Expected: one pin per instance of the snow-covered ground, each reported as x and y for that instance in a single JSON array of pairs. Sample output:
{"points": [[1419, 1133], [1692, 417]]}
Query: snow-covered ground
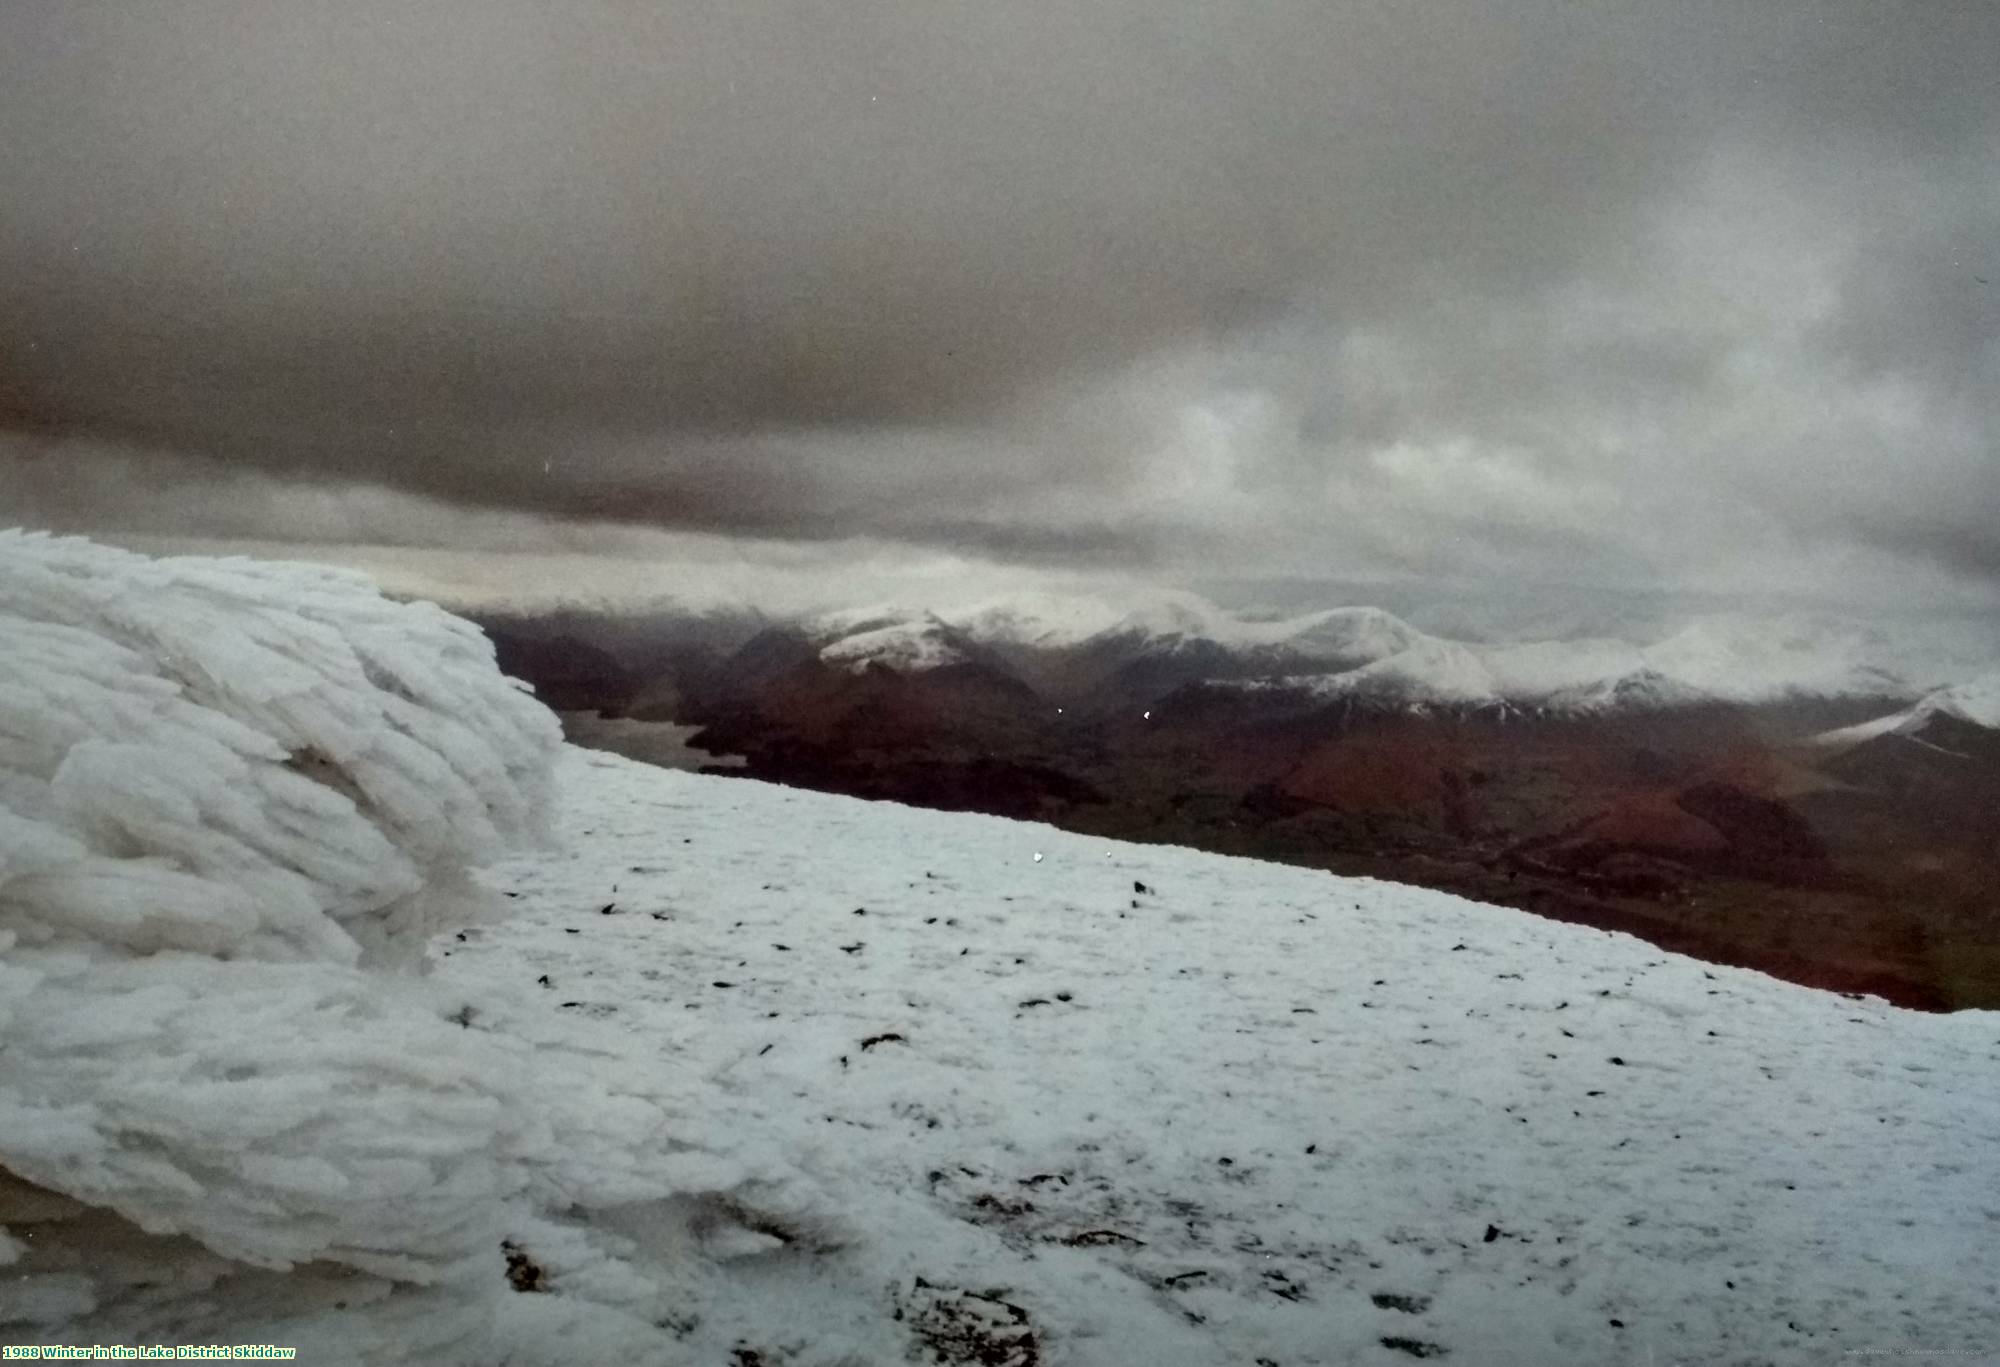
{"points": [[742, 1075], [1249, 1114]]}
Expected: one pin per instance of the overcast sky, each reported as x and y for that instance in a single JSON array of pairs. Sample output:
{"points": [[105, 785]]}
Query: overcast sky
{"points": [[1659, 295]]}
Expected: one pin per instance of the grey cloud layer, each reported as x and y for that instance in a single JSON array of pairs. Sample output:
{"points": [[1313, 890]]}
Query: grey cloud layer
{"points": [[1525, 287]]}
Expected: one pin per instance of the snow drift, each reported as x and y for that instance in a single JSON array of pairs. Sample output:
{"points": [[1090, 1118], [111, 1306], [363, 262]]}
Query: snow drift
{"points": [[236, 799]]}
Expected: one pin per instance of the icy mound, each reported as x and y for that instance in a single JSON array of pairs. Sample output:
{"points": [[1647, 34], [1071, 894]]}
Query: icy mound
{"points": [[232, 795], [209, 769], [249, 760]]}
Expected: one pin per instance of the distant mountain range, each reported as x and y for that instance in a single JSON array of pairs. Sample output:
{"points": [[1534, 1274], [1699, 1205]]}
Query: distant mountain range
{"points": [[1085, 652], [1803, 794], [1092, 656]]}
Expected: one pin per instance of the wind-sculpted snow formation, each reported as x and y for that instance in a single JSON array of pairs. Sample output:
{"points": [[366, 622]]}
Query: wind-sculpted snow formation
{"points": [[236, 799]]}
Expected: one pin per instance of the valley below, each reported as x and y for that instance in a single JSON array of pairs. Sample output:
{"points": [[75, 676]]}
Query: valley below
{"points": [[1794, 835], [1694, 832]]}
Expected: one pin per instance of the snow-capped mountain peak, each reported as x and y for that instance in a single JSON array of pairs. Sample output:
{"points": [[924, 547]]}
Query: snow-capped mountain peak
{"points": [[1363, 651], [908, 647], [1643, 689], [1351, 632], [1429, 671], [1976, 701]]}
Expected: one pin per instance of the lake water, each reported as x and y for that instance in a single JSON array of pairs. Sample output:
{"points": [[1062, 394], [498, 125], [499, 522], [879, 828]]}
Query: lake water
{"points": [[653, 742]]}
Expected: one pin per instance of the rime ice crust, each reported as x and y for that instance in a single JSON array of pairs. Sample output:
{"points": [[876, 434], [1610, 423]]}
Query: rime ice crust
{"points": [[232, 794], [230, 757]]}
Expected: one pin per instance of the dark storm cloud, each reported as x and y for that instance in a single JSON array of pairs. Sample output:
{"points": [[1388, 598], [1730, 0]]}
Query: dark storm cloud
{"points": [[1605, 288], [1968, 543]]}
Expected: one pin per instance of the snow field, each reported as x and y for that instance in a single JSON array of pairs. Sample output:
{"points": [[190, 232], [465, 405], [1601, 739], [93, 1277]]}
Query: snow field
{"points": [[753, 1076], [1251, 1113]]}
